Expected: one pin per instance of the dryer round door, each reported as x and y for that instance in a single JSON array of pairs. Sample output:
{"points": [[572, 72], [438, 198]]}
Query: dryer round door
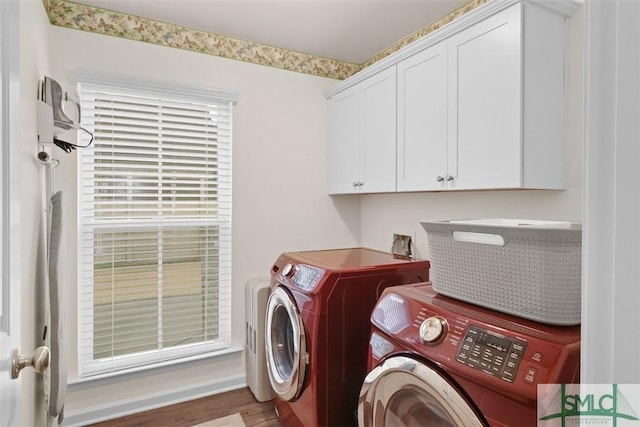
{"points": [[403, 391], [286, 345]]}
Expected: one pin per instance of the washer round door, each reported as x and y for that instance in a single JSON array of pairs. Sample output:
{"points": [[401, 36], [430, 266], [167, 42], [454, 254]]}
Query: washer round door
{"points": [[286, 345], [402, 391]]}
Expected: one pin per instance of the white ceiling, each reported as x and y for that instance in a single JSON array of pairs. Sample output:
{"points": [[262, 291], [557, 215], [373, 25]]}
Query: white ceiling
{"points": [[346, 30]]}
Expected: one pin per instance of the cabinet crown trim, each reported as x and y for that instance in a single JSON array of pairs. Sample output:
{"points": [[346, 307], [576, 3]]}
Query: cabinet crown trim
{"points": [[564, 8]]}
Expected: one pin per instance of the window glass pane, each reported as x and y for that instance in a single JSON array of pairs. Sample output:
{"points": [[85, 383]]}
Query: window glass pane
{"points": [[126, 292], [191, 293]]}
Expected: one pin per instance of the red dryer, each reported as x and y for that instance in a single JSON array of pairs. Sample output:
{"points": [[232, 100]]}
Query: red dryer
{"points": [[434, 360], [317, 329]]}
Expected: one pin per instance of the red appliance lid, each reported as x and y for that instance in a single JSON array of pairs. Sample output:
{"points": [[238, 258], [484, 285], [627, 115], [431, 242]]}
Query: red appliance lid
{"points": [[347, 259]]}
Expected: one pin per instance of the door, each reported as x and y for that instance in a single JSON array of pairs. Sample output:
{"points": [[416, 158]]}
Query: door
{"points": [[343, 155], [422, 120], [404, 392], [286, 345], [9, 211], [485, 109], [378, 159]]}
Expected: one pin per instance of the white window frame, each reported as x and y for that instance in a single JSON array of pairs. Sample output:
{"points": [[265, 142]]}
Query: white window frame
{"points": [[88, 367]]}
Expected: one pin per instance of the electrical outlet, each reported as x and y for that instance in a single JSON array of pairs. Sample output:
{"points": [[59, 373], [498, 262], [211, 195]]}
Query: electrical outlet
{"points": [[401, 245]]}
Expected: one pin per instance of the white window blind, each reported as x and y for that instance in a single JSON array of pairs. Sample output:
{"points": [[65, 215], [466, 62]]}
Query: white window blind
{"points": [[155, 225]]}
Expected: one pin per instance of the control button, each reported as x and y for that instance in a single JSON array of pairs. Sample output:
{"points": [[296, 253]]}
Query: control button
{"points": [[517, 347], [289, 270], [432, 329], [507, 375], [536, 356], [530, 375]]}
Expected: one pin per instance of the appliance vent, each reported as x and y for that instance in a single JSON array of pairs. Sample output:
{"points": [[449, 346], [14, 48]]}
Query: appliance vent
{"points": [[256, 296]]}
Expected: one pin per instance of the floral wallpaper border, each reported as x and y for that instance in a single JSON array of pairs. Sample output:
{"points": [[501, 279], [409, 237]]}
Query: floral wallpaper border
{"points": [[465, 8], [77, 16]]}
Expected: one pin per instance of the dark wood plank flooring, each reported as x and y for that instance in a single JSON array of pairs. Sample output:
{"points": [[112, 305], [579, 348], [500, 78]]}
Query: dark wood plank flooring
{"points": [[254, 413]]}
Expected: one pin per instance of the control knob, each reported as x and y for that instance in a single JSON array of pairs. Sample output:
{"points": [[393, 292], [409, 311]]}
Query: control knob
{"points": [[289, 270], [432, 329]]}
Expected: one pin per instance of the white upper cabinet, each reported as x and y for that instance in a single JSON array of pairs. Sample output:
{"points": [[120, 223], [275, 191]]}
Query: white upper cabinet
{"points": [[480, 105], [362, 137]]}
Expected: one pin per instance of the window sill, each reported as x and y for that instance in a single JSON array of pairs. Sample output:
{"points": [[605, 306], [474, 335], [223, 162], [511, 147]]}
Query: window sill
{"points": [[77, 383]]}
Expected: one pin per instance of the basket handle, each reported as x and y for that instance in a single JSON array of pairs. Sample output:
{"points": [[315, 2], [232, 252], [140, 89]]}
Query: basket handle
{"points": [[482, 238]]}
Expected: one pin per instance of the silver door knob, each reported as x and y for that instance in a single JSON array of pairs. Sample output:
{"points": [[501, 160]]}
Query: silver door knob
{"points": [[439, 178], [449, 178], [39, 361]]}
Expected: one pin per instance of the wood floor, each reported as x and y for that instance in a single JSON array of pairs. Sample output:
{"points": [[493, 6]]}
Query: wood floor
{"points": [[254, 413]]}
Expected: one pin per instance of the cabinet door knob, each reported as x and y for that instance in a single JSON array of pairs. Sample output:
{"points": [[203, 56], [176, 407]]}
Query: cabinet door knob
{"points": [[439, 178], [449, 178]]}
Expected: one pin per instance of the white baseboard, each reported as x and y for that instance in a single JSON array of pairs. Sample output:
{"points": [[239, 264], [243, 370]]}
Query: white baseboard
{"points": [[113, 410]]}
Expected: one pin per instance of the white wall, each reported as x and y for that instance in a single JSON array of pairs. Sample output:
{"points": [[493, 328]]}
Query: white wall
{"points": [[279, 174], [34, 64], [384, 215]]}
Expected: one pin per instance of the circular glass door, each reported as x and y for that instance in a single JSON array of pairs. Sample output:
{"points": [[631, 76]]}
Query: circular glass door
{"points": [[285, 345], [405, 392]]}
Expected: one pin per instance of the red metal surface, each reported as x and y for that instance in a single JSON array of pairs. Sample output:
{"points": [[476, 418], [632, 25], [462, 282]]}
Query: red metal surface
{"points": [[336, 316], [552, 353]]}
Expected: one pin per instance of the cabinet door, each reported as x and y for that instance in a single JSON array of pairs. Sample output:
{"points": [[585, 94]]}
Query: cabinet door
{"points": [[485, 136], [378, 160], [343, 149], [422, 120]]}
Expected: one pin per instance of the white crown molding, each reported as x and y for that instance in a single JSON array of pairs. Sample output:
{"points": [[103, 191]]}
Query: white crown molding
{"points": [[566, 8], [477, 15]]}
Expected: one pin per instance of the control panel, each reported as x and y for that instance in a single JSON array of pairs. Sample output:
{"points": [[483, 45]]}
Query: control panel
{"points": [[491, 353], [303, 276]]}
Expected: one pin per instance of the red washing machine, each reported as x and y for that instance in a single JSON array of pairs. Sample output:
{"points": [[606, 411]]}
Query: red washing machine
{"points": [[317, 329], [438, 361]]}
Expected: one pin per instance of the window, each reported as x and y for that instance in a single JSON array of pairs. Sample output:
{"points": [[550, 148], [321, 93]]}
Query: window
{"points": [[155, 224]]}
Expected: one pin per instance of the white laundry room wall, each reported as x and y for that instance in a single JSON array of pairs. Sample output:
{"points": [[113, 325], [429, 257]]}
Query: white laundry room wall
{"points": [[279, 181]]}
